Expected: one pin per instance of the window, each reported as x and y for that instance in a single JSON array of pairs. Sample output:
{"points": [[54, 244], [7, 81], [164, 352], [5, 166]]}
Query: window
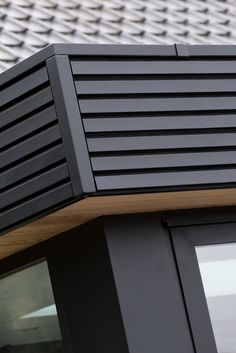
{"points": [[206, 260], [217, 265], [28, 316]]}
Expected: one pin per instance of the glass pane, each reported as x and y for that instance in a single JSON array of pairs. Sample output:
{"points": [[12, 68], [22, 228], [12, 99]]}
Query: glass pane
{"points": [[217, 265], [28, 317]]}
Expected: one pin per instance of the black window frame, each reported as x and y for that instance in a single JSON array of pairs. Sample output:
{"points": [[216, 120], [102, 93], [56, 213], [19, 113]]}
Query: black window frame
{"points": [[33, 255], [185, 238]]}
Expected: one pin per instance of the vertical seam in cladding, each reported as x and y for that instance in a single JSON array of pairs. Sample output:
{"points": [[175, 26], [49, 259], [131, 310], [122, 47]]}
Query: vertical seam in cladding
{"points": [[182, 50], [82, 122], [70, 172]]}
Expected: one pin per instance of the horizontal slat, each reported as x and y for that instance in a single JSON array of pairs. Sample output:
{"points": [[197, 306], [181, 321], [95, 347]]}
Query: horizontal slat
{"points": [[39, 204], [25, 106], [157, 104], [148, 123], [29, 146], [31, 166], [150, 161], [34, 185], [131, 143], [24, 85], [116, 67], [28, 126], [155, 86], [133, 181]]}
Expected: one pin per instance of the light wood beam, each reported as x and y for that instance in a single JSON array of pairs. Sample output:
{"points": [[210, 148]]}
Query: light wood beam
{"points": [[93, 207]]}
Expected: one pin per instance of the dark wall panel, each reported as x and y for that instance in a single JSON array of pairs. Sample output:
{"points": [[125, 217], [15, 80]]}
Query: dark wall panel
{"points": [[34, 175], [159, 123]]}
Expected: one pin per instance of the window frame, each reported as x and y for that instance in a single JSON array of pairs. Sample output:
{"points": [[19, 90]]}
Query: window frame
{"points": [[29, 257], [184, 239]]}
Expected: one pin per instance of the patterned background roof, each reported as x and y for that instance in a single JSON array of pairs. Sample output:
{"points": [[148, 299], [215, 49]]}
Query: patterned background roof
{"points": [[27, 26]]}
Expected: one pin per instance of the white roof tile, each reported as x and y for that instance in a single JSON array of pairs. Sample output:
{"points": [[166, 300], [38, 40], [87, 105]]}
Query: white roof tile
{"points": [[27, 26]]}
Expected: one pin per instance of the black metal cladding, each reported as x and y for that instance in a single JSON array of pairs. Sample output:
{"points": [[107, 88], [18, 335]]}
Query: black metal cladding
{"points": [[33, 170], [159, 122], [77, 120]]}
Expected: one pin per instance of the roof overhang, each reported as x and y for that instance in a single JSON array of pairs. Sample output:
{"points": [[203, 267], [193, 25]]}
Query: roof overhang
{"points": [[92, 130]]}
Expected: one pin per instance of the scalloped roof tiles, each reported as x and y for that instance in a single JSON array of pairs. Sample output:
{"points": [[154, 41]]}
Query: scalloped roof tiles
{"points": [[27, 26]]}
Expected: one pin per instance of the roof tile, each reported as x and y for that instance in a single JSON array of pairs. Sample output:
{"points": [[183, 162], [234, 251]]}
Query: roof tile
{"points": [[27, 26]]}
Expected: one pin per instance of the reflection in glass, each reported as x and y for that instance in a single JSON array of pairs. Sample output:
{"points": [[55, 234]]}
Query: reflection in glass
{"points": [[217, 265], [28, 317]]}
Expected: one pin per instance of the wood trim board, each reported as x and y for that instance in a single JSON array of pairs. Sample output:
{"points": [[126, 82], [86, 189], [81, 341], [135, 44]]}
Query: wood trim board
{"points": [[92, 207]]}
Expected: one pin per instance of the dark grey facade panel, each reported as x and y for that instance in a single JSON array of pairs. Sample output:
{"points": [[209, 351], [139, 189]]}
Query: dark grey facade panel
{"points": [[91, 119], [34, 175], [159, 122]]}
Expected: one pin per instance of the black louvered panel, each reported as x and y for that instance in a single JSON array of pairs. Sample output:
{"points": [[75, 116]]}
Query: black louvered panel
{"points": [[24, 85], [34, 185], [32, 165], [36, 205], [33, 123], [33, 168], [159, 123], [21, 109], [29, 146]]}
